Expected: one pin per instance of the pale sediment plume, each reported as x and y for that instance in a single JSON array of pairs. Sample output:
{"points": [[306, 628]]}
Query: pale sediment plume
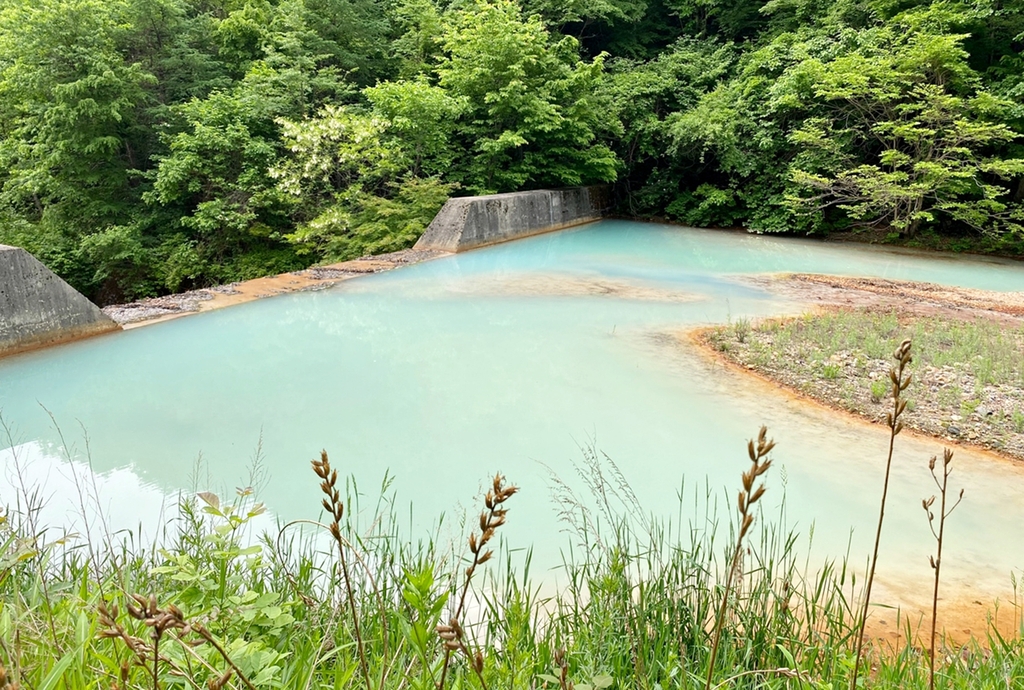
{"points": [[568, 285]]}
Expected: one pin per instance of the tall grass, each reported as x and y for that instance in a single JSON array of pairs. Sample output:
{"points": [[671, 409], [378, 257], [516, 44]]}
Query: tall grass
{"points": [[211, 606]]}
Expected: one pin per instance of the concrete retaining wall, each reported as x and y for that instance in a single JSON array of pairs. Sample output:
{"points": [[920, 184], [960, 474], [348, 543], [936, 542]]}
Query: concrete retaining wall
{"points": [[38, 309], [476, 221]]}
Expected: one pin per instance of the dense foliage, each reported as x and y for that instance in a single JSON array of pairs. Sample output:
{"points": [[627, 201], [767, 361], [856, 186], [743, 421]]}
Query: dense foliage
{"points": [[149, 146]]}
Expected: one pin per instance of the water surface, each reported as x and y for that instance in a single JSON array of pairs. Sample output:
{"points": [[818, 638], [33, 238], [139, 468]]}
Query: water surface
{"points": [[503, 359]]}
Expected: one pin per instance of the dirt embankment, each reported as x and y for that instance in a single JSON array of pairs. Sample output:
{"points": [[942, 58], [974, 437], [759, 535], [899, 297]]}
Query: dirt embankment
{"points": [[318, 278]]}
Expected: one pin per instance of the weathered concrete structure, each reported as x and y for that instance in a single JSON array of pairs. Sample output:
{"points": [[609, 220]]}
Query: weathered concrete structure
{"points": [[476, 221], [38, 309]]}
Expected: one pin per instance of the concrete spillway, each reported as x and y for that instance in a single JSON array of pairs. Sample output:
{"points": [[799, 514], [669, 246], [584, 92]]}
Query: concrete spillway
{"points": [[476, 221], [37, 308]]}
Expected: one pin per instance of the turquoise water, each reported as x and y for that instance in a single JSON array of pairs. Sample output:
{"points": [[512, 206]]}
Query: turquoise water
{"points": [[502, 359]]}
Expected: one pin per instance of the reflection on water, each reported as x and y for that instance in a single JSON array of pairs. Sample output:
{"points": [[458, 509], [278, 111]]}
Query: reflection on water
{"points": [[66, 497], [435, 375], [69, 495]]}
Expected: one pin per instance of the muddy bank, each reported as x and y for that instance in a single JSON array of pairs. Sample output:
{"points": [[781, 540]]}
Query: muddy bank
{"points": [[157, 309]]}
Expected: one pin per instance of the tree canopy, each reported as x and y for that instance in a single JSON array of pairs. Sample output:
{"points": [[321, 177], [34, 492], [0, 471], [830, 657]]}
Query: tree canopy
{"points": [[149, 146]]}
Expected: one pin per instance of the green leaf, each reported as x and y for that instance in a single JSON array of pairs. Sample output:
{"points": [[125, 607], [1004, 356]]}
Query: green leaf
{"points": [[58, 670]]}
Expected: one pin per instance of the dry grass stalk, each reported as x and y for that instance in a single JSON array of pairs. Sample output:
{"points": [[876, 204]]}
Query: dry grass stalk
{"points": [[491, 519], [563, 671], [333, 504], [748, 496], [161, 621], [900, 379], [936, 561]]}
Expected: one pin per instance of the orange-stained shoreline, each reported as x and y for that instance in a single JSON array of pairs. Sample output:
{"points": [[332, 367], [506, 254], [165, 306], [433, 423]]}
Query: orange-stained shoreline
{"points": [[157, 310], [961, 618]]}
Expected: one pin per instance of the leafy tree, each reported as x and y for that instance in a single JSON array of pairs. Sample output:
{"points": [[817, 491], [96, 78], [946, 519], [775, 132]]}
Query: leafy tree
{"points": [[423, 118], [560, 13], [906, 135], [217, 174], [531, 117], [645, 96], [68, 105], [419, 41], [354, 184], [155, 145]]}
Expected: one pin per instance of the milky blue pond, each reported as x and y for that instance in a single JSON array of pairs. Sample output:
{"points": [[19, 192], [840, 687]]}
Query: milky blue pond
{"points": [[506, 358]]}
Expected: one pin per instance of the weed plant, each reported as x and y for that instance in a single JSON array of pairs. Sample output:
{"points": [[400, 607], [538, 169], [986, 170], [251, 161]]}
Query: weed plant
{"points": [[989, 351], [351, 603]]}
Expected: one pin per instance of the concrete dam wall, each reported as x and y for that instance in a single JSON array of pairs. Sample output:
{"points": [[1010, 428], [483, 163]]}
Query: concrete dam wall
{"points": [[38, 309], [476, 221]]}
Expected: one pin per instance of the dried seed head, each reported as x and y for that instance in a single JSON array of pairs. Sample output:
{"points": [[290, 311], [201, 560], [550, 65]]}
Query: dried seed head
{"points": [[218, 683], [748, 520], [478, 662], [902, 354]]}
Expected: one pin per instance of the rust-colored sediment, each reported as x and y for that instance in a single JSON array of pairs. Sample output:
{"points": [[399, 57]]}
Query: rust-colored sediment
{"points": [[960, 618], [150, 311]]}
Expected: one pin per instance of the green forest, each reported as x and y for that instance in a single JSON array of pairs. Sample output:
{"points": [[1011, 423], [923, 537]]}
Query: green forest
{"points": [[154, 146]]}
